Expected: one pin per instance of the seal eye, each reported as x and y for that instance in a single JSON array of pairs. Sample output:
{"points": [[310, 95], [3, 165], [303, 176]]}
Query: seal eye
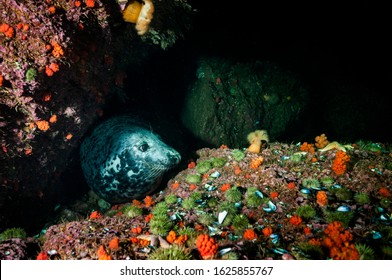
{"points": [[143, 147]]}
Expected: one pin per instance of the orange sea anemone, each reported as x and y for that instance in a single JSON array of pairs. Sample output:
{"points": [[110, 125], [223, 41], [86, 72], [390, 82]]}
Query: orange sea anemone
{"points": [[139, 13], [307, 147], [255, 140], [267, 231], [102, 255], [250, 234], [42, 125], [114, 243], [7, 30], [95, 215], [295, 220]]}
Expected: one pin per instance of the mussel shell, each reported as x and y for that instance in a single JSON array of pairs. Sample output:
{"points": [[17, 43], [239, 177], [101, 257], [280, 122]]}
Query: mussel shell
{"points": [[305, 191], [343, 208], [280, 251]]}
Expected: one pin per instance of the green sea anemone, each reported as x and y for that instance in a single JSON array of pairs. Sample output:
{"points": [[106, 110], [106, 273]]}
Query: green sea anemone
{"points": [[311, 183], [344, 194], [174, 252], [227, 206], [230, 256], [212, 202], [361, 198], [365, 252], [206, 219], [306, 251], [31, 74], [193, 178], [387, 251], [132, 211], [203, 166], [218, 162], [343, 217], [13, 233], [171, 199], [306, 212], [160, 224], [327, 181], [237, 155], [251, 197], [160, 208], [240, 223], [233, 195], [296, 158], [188, 203], [196, 196]]}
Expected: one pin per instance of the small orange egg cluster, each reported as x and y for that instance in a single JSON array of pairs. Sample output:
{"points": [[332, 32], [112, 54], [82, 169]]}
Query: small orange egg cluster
{"points": [[307, 147], [207, 246], [339, 163], [338, 241], [322, 198], [321, 141]]}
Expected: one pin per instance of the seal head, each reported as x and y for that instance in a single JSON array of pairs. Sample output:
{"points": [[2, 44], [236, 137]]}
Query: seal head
{"points": [[123, 160]]}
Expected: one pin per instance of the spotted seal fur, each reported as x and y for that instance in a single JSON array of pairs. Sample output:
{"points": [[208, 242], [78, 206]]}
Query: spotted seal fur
{"points": [[123, 160]]}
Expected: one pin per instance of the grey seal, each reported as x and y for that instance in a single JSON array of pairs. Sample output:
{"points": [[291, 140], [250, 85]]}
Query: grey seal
{"points": [[123, 160]]}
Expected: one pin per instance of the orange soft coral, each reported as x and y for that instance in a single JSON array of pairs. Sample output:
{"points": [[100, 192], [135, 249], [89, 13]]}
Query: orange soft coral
{"points": [[339, 163], [207, 246], [338, 241], [307, 147], [321, 141], [322, 198]]}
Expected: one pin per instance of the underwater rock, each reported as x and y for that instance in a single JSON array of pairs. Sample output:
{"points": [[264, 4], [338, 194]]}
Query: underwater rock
{"points": [[229, 100]]}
